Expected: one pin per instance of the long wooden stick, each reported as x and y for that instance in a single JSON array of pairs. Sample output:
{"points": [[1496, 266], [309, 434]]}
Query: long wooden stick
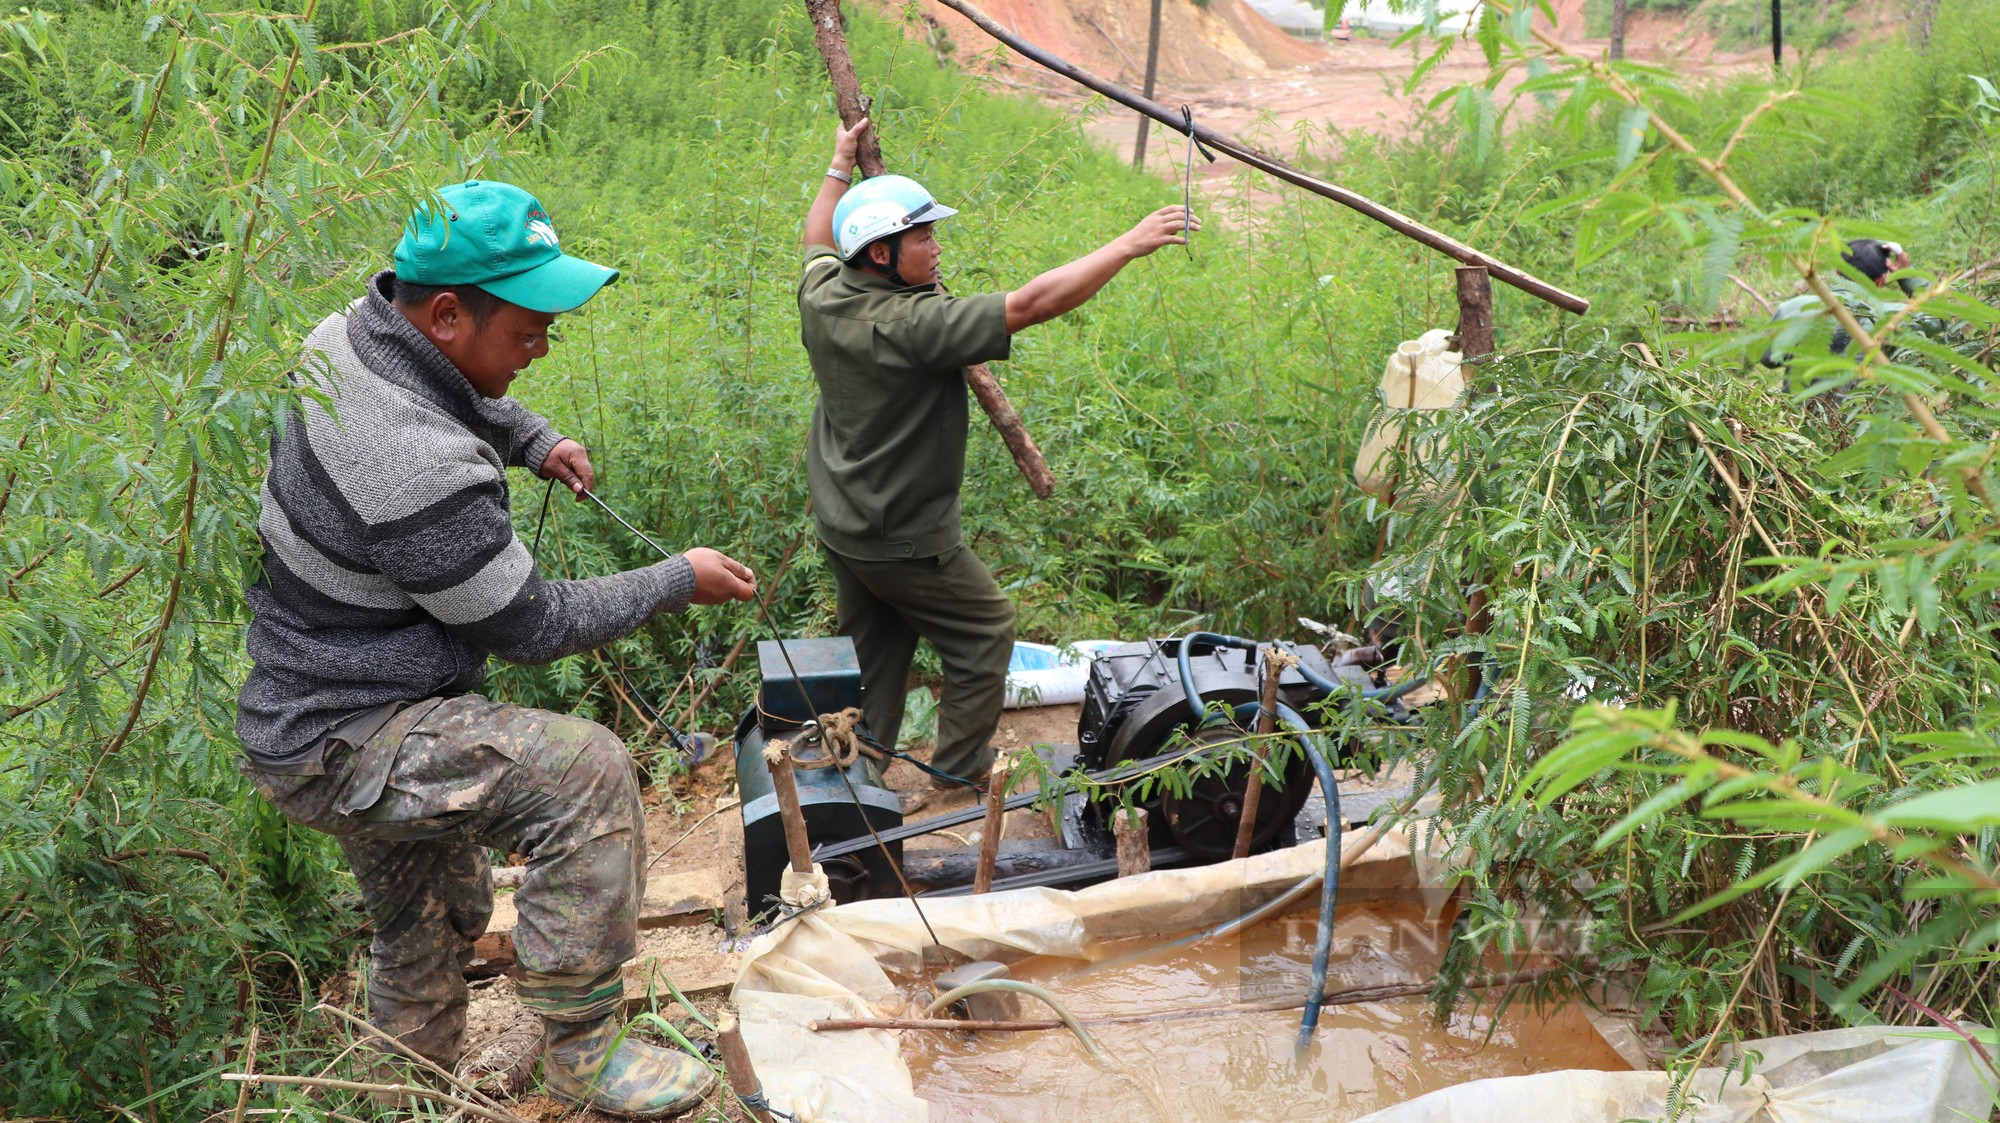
{"points": [[1271, 165], [359, 1086], [1349, 997], [412, 1054], [832, 44], [1267, 724]]}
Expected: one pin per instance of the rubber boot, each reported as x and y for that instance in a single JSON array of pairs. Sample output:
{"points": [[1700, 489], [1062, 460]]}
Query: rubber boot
{"points": [[638, 1081]]}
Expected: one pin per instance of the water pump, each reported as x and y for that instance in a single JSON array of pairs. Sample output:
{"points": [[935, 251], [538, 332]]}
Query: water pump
{"points": [[1136, 702]]}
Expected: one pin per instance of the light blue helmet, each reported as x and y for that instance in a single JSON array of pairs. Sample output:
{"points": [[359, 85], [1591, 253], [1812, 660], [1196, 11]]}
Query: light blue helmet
{"points": [[880, 206]]}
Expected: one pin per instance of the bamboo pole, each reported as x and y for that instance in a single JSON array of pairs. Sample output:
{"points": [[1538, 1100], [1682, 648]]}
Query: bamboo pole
{"points": [[832, 44], [1271, 165], [996, 825], [1152, 71]]}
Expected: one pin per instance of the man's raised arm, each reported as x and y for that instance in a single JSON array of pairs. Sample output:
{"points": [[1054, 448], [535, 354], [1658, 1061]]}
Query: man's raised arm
{"points": [[1067, 286], [819, 220]]}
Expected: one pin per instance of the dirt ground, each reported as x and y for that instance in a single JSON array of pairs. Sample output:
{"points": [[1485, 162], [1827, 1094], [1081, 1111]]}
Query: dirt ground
{"points": [[1245, 78]]}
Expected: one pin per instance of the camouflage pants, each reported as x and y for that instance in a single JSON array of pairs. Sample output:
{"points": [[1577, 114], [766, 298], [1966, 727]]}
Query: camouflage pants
{"points": [[415, 808]]}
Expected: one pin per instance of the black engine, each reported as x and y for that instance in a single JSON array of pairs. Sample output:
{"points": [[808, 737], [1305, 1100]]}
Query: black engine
{"points": [[1134, 705]]}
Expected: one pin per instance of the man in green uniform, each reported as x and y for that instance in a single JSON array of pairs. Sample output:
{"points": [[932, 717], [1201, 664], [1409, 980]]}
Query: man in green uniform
{"points": [[888, 347]]}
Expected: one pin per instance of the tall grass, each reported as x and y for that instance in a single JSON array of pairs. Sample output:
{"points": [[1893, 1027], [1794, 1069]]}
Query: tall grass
{"points": [[180, 213]]}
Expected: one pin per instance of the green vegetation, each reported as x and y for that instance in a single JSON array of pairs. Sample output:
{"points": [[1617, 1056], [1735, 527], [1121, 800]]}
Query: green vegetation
{"points": [[189, 186]]}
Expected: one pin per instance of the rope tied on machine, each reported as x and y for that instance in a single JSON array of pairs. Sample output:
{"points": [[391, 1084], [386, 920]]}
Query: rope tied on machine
{"points": [[844, 739], [841, 739]]}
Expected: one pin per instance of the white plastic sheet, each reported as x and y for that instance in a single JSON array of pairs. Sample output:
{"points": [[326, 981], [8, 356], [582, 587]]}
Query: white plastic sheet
{"points": [[1866, 1075], [835, 962]]}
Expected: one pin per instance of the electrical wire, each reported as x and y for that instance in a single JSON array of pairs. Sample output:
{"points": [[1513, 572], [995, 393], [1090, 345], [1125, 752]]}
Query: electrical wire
{"points": [[1016, 986]]}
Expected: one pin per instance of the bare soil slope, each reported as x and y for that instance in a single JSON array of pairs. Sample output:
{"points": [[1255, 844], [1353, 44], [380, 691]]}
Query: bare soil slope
{"points": [[1198, 45]]}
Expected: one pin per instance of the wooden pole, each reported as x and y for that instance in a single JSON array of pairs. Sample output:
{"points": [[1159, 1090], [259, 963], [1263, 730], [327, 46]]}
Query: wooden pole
{"points": [[1271, 165], [737, 1067], [778, 755], [1475, 345], [1475, 320], [995, 826], [1267, 724], [1135, 848], [1152, 71], [832, 44]]}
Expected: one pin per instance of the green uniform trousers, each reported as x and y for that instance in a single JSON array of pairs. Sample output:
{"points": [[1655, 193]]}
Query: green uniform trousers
{"points": [[952, 601], [414, 809]]}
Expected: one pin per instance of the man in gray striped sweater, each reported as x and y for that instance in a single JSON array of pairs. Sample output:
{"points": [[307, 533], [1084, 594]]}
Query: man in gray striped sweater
{"points": [[390, 573]]}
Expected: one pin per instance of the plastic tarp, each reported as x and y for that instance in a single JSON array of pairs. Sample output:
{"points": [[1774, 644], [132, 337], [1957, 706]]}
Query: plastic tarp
{"points": [[1864, 1075], [835, 962]]}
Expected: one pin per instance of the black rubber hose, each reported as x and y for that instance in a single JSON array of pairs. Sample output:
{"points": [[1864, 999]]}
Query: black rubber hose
{"points": [[1187, 668], [1376, 694], [1323, 942]]}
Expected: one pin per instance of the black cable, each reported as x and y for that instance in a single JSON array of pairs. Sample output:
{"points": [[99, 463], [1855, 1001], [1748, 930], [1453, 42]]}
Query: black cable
{"points": [[764, 615], [543, 519], [675, 738]]}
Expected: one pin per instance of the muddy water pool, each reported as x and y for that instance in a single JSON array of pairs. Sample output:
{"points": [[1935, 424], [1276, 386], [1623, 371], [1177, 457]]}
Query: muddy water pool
{"points": [[1240, 1067]]}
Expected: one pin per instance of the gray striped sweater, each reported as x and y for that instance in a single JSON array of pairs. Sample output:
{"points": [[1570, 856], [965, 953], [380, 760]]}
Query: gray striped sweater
{"points": [[391, 569]]}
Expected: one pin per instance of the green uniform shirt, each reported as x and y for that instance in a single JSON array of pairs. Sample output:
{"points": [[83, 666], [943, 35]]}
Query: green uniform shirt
{"points": [[887, 454]]}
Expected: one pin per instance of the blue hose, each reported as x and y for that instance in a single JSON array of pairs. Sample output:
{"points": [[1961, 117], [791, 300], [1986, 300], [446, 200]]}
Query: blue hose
{"points": [[1328, 786], [1187, 669], [1383, 694], [1330, 881], [1323, 943]]}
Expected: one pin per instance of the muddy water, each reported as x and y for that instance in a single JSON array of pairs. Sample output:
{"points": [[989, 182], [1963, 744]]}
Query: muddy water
{"points": [[1240, 1068]]}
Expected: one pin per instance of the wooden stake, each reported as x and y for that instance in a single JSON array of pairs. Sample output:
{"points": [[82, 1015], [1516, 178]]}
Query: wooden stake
{"points": [[996, 825], [1135, 850], [778, 755], [1152, 70], [1475, 320], [736, 1066], [1475, 344], [1267, 724], [832, 44]]}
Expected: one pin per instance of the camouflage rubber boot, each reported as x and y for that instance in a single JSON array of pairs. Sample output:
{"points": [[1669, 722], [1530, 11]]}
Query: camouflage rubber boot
{"points": [[637, 1081]]}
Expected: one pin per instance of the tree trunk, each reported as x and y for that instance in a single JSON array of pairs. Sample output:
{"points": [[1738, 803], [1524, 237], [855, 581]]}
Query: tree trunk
{"points": [[1617, 29], [1152, 72]]}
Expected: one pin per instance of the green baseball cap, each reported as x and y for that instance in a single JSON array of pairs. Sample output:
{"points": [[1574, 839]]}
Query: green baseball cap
{"points": [[498, 237]]}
